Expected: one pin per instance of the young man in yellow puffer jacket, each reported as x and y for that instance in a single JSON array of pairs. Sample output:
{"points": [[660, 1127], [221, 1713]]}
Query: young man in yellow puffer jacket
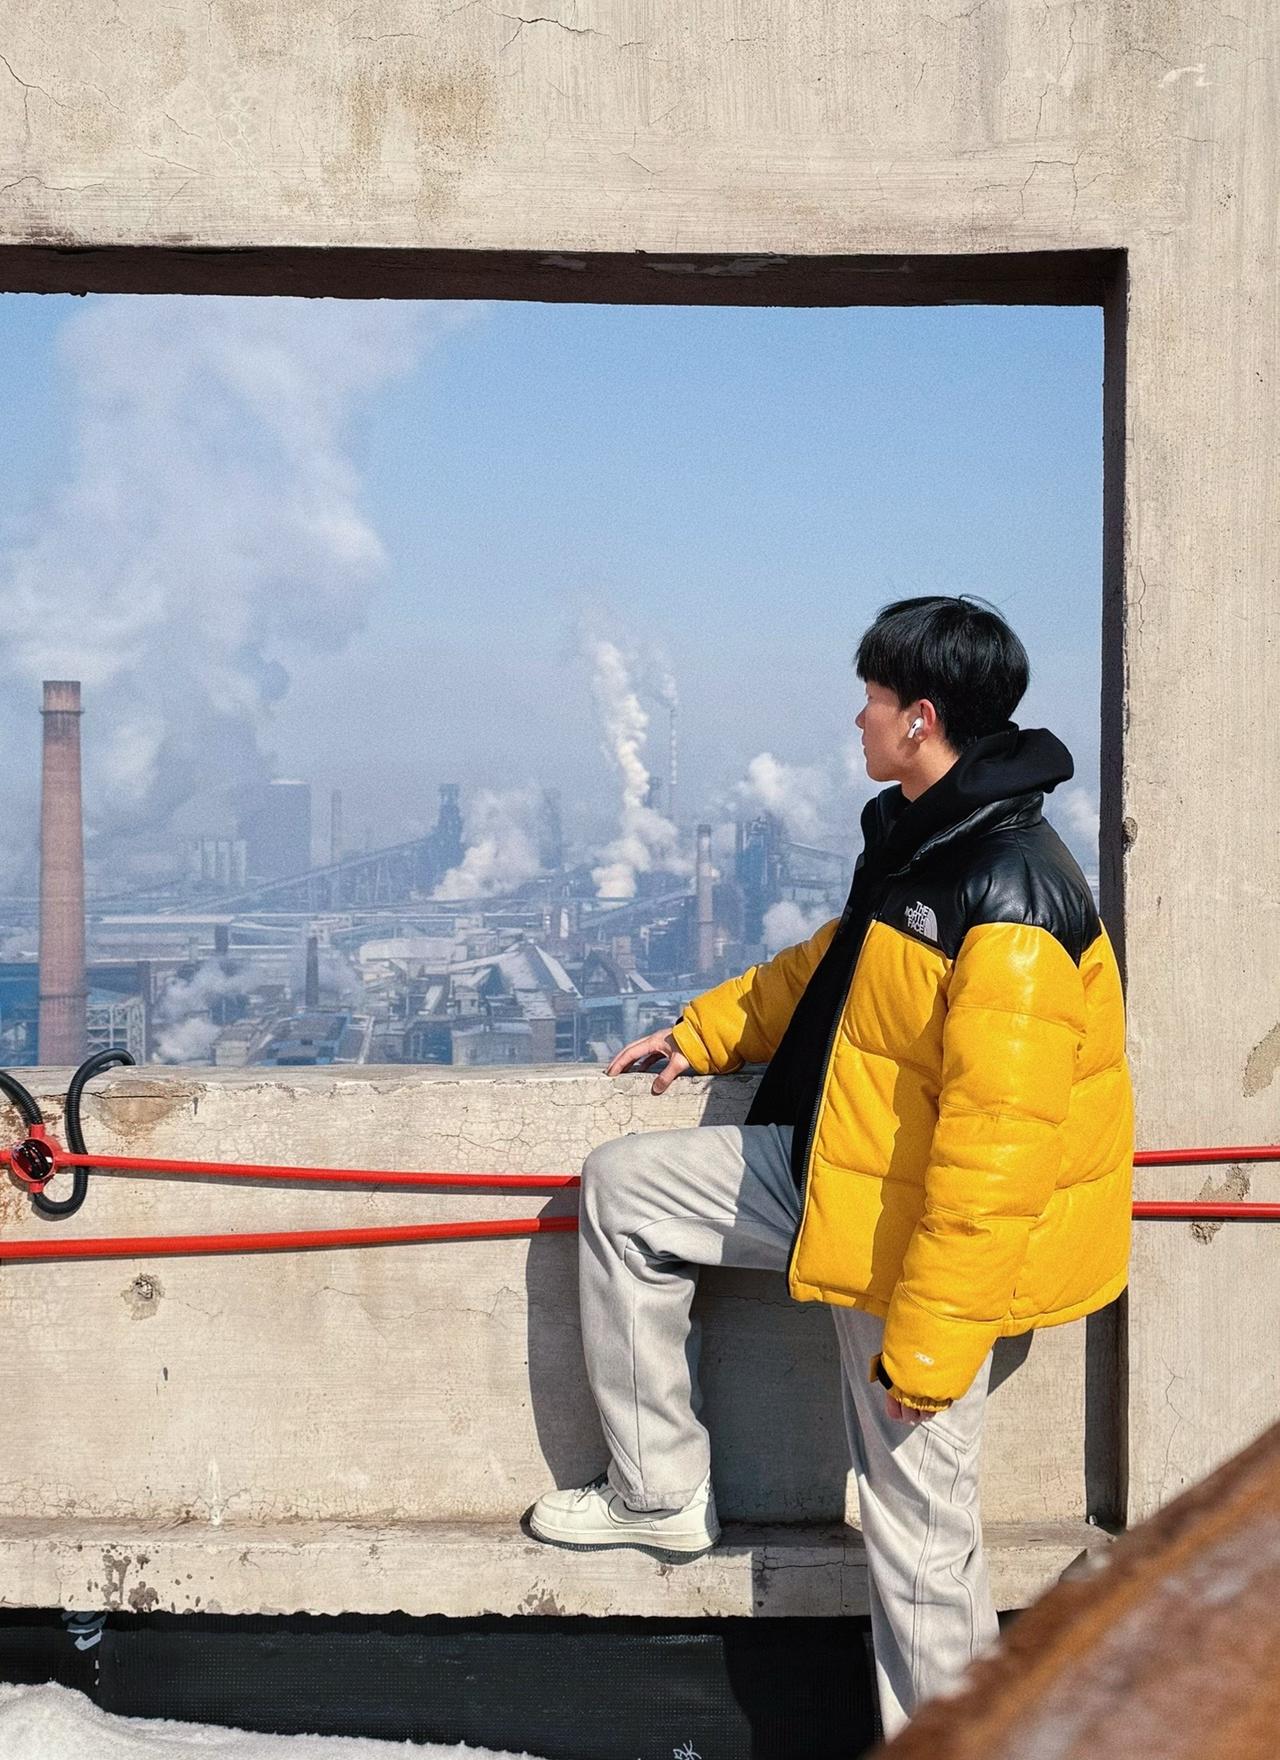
{"points": [[941, 1148]]}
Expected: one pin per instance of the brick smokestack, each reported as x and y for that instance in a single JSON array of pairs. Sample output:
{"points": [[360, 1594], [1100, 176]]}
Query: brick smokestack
{"points": [[62, 975], [706, 953]]}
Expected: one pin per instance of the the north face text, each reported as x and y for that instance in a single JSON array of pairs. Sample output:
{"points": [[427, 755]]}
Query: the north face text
{"points": [[921, 921]]}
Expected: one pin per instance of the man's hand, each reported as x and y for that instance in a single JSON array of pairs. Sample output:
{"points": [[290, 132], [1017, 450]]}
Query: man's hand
{"points": [[642, 1054], [903, 1414]]}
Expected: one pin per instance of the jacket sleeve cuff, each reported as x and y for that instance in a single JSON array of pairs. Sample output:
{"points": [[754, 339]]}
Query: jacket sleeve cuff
{"points": [[690, 1046], [918, 1402]]}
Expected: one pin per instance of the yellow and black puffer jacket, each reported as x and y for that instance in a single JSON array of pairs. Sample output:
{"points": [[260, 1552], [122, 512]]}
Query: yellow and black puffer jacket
{"points": [[963, 1127]]}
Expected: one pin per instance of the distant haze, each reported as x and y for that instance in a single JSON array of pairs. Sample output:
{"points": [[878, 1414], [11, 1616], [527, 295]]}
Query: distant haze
{"points": [[382, 546]]}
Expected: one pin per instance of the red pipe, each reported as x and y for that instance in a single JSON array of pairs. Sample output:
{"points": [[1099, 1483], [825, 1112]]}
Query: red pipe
{"points": [[349, 1176], [139, 1246], [306, 1240], [145, 1246], [497, 1181], [1204, 1157], [1162, 1210], [61, 1157]]}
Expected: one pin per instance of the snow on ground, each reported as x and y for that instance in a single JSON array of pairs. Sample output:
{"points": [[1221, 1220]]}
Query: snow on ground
{"points": [[54, 1723]]}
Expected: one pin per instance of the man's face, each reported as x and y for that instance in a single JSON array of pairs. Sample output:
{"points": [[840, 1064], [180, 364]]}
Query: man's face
{"points": [[884, 722]]}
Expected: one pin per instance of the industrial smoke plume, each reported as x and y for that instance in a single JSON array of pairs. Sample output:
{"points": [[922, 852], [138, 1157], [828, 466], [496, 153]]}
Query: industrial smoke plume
{"points": [[209, 532], [799, 794], [185, 1033], [646, 838], [500, 828]]}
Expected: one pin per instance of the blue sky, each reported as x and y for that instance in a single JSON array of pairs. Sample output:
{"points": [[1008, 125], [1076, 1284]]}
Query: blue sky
{"points": [[735, 490]]}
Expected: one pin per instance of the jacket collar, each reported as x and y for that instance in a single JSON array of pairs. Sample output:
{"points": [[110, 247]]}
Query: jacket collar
{"points": [[998, 781], [1026, 809]]}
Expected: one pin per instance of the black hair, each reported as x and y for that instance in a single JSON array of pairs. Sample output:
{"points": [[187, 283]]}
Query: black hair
{"points": [[958, 652]]}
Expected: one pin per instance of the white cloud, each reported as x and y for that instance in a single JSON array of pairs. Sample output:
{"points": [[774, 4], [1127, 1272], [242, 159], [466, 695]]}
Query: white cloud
{"points": [[785, 923], [1074, 811]]}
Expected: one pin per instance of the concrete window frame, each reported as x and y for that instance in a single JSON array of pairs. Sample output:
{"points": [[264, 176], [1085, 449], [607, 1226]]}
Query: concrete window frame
{"points": [[1060, 277]]}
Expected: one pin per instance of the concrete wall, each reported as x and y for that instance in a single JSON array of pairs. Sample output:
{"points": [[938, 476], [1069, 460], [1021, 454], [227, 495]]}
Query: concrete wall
{"points": [[259, 1400], [421, 1383], [829, 150]]}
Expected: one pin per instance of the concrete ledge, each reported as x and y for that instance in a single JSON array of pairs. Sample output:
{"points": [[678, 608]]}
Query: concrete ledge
{"points": [[418, 1385], [478, 1568]]}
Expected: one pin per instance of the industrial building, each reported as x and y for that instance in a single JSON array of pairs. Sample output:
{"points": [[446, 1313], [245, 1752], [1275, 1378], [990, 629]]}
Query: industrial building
{"points": [[275, 828]]}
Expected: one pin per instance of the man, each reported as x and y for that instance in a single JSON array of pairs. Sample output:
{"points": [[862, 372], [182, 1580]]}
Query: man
{"points": [[940, 1148]]}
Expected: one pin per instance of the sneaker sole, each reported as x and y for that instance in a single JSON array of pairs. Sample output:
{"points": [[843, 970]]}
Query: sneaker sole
{"points": [[667, 1554]]}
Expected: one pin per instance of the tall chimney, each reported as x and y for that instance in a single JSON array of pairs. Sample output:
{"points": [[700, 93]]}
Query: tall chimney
{"points": [[335, 827], [311, 993], [147, 989], [706, 953], [671, 770], [62, 975]]}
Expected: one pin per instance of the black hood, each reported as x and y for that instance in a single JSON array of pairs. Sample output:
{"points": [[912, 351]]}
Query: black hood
{"points": [[1006, 766]]}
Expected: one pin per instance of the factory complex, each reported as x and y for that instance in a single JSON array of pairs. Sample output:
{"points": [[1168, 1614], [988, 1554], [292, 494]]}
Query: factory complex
{"points": [[255, 955]]}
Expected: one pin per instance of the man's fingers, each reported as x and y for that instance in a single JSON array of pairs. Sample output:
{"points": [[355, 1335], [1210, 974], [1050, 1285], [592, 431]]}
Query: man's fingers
{"points": [[628, 1056], [676, 1066], [641, 1056], [902, 1414]]}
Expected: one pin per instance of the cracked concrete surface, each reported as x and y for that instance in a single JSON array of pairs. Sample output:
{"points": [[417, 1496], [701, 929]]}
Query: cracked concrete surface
{"points": [[439, 124]]}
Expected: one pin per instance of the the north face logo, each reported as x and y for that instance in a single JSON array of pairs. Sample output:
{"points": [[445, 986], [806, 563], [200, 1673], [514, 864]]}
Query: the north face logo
{"points": [[921, 921]]}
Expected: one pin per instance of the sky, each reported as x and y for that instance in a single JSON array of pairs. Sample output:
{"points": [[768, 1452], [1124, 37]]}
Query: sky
{"points": [[385, 545]]}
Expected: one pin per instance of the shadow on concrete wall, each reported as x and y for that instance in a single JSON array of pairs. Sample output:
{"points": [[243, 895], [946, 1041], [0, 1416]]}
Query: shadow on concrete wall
{"points": [[769, 1370], [770, 1379]]}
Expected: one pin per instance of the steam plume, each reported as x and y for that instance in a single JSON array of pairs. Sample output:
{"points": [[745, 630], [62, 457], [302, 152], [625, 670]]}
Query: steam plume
{"points": [[796, 793], [646, 838], [209, 532], [502, 845], [187, 1035], [786, 922]]}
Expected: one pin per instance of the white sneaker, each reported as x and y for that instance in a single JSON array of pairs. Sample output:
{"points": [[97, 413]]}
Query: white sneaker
{"points": [[594, 1517]]}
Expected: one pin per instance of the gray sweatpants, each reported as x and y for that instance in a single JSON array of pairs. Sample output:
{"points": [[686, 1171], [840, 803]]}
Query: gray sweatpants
{"points": [[654, 1207]]}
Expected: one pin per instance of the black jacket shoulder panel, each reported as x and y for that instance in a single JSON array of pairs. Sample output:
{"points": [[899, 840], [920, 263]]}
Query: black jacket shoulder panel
{"points": [[1026, 874], [1017, 871]]}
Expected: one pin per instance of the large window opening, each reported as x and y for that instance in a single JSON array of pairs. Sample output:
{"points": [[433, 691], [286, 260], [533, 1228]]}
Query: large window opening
{"points": [[418, 640]]}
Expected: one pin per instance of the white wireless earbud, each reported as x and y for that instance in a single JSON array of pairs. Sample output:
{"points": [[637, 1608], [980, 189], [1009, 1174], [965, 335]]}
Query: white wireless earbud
{"points": [[915, 727]]}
